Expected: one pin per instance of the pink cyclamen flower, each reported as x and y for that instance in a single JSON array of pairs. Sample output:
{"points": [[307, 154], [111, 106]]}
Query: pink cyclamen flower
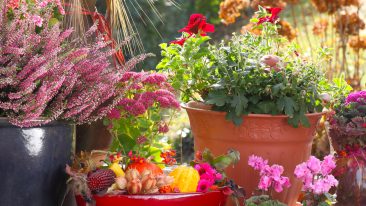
{"points": [[327, 165], [314, 164], [265, 183], [256, 162]]}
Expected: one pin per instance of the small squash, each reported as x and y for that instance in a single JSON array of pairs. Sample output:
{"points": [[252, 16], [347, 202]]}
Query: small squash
{"points": [[117, 169], [141, 167], [185, 178]]}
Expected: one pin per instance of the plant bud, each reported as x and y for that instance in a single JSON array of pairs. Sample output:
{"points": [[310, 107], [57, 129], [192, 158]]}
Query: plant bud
{"points": [[271, 61]]}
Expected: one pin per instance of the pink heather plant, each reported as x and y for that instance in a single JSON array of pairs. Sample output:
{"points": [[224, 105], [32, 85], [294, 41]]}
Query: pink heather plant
{"points": [[317, 179], [208, 176], [43, 75], [270, 176]]}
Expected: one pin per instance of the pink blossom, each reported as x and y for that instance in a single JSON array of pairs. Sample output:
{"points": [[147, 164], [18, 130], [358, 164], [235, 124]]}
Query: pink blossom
{"points": [[265, 183], [314, 164], [327, 165], [141, 140], [114, 114], [256, 162], [281, 183], [37, 20], [203, 185]]}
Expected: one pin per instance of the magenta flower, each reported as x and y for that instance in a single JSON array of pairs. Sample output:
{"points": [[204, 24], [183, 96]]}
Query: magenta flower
{"points": [[37, 20], [203, 185], [141, 140], [114, 114], [357, 97]]}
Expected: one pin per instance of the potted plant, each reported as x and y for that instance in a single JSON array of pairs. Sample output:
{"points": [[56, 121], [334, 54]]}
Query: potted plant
{"points": [[347, 130], [48, 84], [254, 93]]}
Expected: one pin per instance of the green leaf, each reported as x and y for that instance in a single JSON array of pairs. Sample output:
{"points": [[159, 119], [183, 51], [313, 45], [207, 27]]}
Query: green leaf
{"points": [[277, 88], [239, 102], [290, 106], [222, 162], [207, 156], [266, 106], [217, 98], [237, 120]]}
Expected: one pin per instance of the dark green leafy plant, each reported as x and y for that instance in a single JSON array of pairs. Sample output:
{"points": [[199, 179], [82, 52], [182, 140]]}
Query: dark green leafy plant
{"points": [[249, 74]]}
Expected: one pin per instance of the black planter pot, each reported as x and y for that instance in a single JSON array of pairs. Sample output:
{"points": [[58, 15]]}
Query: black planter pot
{"points": [[32, 163]]}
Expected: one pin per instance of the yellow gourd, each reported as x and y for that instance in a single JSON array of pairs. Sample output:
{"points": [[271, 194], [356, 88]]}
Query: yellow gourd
{"points": [[116, 168], [185, 178]]}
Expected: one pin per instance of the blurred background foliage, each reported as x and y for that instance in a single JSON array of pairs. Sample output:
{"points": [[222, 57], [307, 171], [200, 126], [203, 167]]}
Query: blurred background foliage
{"points": [[335, 24]]}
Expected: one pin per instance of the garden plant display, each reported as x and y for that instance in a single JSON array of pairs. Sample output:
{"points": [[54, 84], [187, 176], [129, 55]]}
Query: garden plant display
{"points": [[250, 74], [132, 175], [250, 91]]}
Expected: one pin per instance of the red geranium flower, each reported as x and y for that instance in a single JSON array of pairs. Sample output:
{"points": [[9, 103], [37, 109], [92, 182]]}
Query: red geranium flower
{"points": [[179, 41], [274, 16], [197, 25], [364, 125]]}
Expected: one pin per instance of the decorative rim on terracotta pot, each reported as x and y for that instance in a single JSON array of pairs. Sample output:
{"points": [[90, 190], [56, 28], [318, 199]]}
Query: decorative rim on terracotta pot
{"points": [[201, 107]]}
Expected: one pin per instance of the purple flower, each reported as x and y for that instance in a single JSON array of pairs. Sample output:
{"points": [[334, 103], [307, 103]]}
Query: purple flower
{"points": [[357, 97]]}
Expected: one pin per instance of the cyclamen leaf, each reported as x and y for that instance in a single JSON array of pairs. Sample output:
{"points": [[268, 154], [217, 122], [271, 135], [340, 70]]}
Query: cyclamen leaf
{"points": [[237, 120]]}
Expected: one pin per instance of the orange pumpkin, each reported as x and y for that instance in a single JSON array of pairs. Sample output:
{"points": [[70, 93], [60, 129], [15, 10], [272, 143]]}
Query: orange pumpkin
{"points": [[142, 166]]}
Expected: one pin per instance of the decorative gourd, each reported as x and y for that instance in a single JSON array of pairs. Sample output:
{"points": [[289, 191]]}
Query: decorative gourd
{"points": [[185, 178], [142, 166], [117, 169]]}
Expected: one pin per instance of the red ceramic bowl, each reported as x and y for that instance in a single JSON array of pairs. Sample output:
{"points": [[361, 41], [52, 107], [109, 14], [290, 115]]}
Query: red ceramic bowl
{"points": [[215, 198]]}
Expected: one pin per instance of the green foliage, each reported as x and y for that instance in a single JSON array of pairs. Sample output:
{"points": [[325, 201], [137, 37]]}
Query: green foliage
{"points": [[190, 66], [232, 157], [263, 200]]}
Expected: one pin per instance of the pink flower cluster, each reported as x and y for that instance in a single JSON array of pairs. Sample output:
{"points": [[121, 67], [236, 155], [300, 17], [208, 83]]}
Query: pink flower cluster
{"points": [[358, 97], [270, 176], [316, 175], [147, 90], [208, 176]]}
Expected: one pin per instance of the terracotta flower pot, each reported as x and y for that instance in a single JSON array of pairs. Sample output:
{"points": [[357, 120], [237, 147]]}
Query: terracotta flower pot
{"points": [[175, 199], [264, 135]]}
